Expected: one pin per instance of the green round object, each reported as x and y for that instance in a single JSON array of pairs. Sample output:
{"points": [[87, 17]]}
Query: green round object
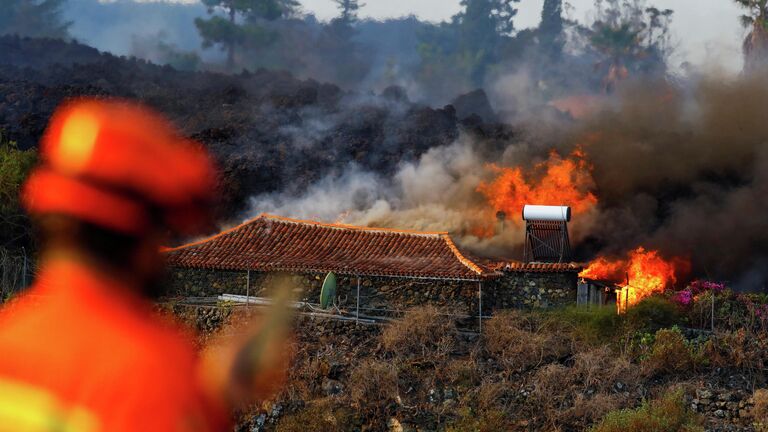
{"points": [[328, 292]]}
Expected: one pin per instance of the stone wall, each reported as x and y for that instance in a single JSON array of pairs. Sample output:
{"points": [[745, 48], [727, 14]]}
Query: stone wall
{"points": [[532, 290], [381, 293], [378, 295]]}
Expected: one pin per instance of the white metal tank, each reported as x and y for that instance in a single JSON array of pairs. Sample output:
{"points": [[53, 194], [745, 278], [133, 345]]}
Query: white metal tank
{"points": [[546, 213]]}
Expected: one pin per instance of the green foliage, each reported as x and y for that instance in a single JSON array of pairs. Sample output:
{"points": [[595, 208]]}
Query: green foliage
{"points": [[550, 30], [653, 313], [594, 325], [15, 165], [668, 414], [33, 18], [628, 39], [756, 13], [669, 353], [464, 50], [348, 9], [242, 27]]}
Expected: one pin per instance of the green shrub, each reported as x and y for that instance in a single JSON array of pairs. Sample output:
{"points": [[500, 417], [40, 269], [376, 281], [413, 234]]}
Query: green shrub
{"points": [[653, 313], [669, 354], [668, 414], [593, 325]]}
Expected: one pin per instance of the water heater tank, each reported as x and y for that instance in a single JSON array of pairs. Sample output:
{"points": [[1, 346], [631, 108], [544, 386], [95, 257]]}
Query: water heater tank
{"points": [[546, 213]]}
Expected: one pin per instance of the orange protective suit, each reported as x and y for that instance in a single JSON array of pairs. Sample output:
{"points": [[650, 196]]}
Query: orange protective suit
{"points": [[80, 353]]}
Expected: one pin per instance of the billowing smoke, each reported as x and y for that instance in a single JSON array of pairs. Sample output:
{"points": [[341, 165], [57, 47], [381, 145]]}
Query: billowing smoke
{"points": [[437, 192], [682, 168]]}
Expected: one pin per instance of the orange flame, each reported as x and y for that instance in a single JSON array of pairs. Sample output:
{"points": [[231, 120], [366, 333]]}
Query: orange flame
{"points": [[647, 271], [555, 181]]}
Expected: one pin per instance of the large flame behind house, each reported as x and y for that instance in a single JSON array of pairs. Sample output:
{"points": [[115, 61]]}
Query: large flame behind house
{"points": [[557, 181]]}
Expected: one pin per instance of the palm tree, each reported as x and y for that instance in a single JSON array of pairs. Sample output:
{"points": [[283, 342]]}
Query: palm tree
{"points": [[756, 42], [625, 43]]}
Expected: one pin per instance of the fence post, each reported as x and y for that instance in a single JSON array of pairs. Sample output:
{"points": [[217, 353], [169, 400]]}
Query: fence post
{"points": [[480, 304], [248, 289], [357, 308]]}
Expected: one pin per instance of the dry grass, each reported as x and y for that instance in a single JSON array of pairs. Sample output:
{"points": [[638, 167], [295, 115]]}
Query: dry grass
{"points": [[462, 373], [577, 396], [760, 410], [373, 386], [423, 333], [319, 415], [305, 377], [600, 369], [519, 342], [586, 410], [553, 383], [484, 409], [741, 349]]}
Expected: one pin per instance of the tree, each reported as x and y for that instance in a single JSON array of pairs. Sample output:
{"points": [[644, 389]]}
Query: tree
{"points": [[336, 44], [470, 44], [33, 18], [625, 43], [550, 32], [241, 24], [348, 10], [755, 46]]}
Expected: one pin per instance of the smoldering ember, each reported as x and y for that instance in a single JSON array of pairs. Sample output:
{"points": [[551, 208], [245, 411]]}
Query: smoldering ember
{"points": [[286, 215]]}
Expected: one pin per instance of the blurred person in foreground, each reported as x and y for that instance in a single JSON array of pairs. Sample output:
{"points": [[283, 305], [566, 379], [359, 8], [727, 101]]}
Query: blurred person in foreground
{"points": [[83, 350]]}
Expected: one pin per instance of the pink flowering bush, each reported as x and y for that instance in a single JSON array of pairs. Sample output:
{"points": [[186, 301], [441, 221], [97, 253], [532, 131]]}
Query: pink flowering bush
{"points": [[686, 297]]}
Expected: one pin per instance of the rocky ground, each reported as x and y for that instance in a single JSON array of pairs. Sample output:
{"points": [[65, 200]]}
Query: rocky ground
{"points": [[268, 129]]}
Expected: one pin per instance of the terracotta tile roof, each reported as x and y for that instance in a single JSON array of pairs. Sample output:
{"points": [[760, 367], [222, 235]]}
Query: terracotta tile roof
{"points": [[536, 267], [273, 243]]}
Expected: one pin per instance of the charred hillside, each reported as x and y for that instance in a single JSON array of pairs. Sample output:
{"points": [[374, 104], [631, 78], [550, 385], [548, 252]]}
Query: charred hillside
{"points": [[268, 130]]}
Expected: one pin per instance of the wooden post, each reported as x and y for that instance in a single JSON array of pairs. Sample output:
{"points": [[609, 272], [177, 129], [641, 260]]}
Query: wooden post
{"points": [[357, 308]]}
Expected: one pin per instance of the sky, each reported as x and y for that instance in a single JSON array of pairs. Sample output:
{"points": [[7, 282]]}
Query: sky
{"points": [[707, 33]]}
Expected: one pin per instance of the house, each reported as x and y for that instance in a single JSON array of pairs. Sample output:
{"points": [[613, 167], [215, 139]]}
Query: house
{"points": [[379, 269]]}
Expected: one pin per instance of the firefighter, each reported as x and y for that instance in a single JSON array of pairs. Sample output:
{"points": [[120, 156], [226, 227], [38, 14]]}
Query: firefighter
{"points": [[82, 350]]}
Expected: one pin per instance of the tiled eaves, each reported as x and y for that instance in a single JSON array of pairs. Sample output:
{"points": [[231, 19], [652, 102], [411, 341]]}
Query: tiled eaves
{"points": [[308, 246]]}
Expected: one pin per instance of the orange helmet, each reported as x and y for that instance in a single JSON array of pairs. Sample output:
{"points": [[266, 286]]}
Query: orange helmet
{"points": [[121, 166]]}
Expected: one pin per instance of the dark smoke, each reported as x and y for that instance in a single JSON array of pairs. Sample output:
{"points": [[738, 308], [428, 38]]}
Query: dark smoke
{"points": [[685, 169]]}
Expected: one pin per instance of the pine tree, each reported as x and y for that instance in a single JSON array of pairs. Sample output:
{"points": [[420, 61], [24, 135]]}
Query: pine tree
{"points": [[348, 10]]}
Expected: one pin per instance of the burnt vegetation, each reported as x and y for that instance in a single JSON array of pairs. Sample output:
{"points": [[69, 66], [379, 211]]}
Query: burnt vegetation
{"points": [[266, 128], [570, 369]]}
